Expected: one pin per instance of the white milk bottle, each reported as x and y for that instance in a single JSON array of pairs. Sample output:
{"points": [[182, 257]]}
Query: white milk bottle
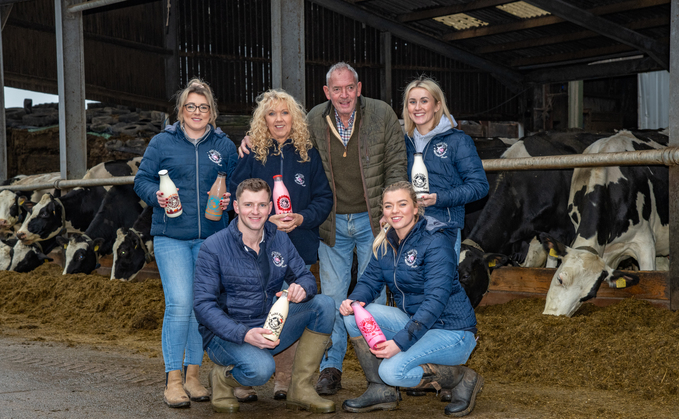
{"points": [[419, 176], [169, 190], [277, 316]]}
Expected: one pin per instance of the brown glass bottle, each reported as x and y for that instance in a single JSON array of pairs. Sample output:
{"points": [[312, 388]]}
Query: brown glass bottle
{"points": [[214, 210]]}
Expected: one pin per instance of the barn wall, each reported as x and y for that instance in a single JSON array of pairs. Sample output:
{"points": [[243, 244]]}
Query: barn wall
{"points": [[228, 43]]}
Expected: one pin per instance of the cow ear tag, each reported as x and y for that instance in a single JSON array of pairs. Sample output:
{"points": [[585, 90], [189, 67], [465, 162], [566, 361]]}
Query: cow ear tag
{"points": [[65, 246], [96, 248], [621, 283], [492, 263], [552, 253]]}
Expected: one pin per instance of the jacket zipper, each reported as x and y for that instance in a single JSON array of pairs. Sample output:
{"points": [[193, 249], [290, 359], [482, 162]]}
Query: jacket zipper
{"points": [[198, 189], [396, 259], [259, 274]]}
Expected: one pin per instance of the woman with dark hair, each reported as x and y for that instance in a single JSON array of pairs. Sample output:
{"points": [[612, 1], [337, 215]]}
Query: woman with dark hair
{"points": [[193, 151], [430, 330]]}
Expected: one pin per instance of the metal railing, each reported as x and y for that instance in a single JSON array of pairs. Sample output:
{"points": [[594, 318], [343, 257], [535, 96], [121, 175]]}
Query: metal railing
{"points": [[668, 156]]}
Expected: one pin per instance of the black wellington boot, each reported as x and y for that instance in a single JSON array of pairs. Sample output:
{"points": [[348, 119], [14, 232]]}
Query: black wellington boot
{"points": [[378, 396], [463, 397]]}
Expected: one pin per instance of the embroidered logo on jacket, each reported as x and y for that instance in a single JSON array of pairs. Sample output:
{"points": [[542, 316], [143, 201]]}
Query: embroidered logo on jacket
{"points": [[299, 179], [277, 259], [440, 150], [215, 156], [411, 257]]}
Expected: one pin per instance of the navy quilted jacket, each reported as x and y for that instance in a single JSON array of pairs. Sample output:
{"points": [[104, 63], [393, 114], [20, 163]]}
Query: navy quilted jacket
{"points": [[456, 174], [193, 169], [423, 279], [229, 294]]}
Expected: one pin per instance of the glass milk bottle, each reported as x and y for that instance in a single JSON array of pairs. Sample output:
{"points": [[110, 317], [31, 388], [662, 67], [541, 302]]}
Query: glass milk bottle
{"points": [[213, 211], [281, 196], [277, 316], [419, 176], [169, 190], [367, 325]]}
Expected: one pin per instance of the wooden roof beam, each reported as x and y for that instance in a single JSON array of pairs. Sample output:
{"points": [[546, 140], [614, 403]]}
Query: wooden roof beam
{"points": [[567, 37], [548, 20], [510, 78], [614, 68], [448, 10], [654, 49]]}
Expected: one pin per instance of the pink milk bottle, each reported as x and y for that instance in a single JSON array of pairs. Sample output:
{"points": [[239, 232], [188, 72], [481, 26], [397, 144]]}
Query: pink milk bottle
{"points": [[367, 325], [281, 196]]}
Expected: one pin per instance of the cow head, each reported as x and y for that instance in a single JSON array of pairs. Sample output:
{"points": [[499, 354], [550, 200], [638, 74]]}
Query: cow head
{"points": [[13, 209], [44, 222], [81, 253], [130, 254], [27, 257], [474, 271], [578, 278], [5, 255]]}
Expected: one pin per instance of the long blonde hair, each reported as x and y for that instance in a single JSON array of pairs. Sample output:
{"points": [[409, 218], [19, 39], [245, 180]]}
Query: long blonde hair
{"points": [[198, 86], [437, 94], [380, 241], [260, 137]]}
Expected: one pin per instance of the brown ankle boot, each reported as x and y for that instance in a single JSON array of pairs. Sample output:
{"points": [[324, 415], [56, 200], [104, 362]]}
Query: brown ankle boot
{"points": [[192, 386], [174, 394], [283, 372]]}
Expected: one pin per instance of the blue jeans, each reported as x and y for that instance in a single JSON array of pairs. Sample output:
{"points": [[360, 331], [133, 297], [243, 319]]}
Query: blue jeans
{"points": [[176, 260], [254, 366], [351, 230], [437, 346]]}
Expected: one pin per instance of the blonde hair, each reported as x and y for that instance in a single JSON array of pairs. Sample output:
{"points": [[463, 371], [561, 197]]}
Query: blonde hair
{"points": [[260, 137], [380, 241], [437, 94], [198, 86]]}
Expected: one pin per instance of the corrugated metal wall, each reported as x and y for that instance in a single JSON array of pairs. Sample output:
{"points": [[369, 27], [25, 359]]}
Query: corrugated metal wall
{"points": [[124, 54], [228, 43]]}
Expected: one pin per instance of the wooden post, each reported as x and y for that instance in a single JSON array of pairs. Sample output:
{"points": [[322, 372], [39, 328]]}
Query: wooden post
{"points": [[288, 58], [575, 99]]}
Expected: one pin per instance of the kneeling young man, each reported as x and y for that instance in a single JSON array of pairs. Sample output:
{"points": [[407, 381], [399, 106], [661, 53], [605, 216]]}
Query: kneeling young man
{"points": [[238, 272]]}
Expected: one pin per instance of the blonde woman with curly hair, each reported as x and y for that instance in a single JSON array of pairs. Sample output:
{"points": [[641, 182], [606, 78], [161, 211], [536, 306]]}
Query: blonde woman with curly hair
{"points": [[279, 138]]}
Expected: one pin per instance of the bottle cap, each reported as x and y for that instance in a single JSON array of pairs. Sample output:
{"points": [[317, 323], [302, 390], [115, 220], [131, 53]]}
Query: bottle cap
{"points": [[221, 174], [280, 176], [162, 172]]}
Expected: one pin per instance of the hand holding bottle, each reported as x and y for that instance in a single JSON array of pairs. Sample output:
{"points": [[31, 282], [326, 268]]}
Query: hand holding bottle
{"points": [[385, 349], [224, 201], [296, 293], [287, 222], [162, 199], [255, 337], [427, 200], [345, 308]]}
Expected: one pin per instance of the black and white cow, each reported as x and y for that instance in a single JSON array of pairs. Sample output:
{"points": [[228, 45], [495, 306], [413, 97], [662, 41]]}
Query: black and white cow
{"points": [[521, 204], [75, 210], [13, 210], [27, 257], [120, 208], [618, 212], [6, 253], [133, 248]]}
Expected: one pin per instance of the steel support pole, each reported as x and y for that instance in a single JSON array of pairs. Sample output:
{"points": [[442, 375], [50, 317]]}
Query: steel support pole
{"points": [[3, 122], [287, 47], [71, 84], [674, 170], [575, 100], [385, 61]]}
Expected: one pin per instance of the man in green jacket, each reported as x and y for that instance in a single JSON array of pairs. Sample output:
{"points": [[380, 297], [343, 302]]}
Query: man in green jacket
{"points": [[362, 147]]}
